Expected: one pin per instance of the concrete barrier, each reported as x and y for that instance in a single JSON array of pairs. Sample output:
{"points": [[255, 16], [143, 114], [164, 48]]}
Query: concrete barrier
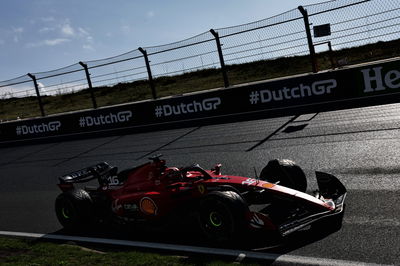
{"points": [[363, 85]]}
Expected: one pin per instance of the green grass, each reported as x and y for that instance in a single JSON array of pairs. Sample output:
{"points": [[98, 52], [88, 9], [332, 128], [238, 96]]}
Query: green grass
{"points": [[12, 108], [34, 252]]}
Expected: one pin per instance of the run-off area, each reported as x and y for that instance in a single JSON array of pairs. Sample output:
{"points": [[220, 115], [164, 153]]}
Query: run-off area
{"points": [[360, 146]]}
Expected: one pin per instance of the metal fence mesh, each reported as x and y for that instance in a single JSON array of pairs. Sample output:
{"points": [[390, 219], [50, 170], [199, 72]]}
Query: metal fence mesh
{"points": [[17, 87], [261, 46], [369, 22]]}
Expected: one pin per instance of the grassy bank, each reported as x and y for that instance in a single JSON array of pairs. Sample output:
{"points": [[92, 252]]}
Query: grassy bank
{"points": [[12, 108], [34, 252]]}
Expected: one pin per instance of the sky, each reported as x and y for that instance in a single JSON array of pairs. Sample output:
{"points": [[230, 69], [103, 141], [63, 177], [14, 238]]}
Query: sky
{"points": [[42, 35]]}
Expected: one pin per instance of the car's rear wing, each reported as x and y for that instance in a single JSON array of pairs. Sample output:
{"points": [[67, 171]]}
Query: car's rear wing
{"points": [[99, 171]]}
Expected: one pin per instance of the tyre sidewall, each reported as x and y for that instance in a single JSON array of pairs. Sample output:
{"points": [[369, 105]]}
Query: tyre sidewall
{"points": [[221, 216], [74, 209]]}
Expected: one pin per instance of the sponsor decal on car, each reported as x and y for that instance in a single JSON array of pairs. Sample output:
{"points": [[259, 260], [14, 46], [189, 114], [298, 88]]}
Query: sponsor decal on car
{"points": [[52, 126], [108, 119], [131, 207], [113, 181], [116, 207], [268, 185], [249, 181], [195, 106], [316, 88], [148, 206]]}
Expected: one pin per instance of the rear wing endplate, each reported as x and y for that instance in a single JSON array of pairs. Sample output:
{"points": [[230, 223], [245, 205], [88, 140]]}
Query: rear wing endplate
{"points": [[99, 171]]}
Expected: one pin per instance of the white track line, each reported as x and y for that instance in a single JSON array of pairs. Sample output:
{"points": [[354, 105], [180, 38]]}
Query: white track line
{"points": [[238, 254]]}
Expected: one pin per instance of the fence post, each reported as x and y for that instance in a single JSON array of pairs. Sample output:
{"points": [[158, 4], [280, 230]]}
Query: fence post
{"points": [[221, 57], [37, 93], [151, 82], [309, 39], [331, 55], [89, 84]]}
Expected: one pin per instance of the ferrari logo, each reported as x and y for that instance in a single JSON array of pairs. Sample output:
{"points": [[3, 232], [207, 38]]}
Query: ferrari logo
{"points": [[201, 189]]}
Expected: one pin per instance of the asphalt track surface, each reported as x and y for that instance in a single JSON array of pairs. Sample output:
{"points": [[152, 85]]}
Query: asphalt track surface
{"points": [[360, 146]]}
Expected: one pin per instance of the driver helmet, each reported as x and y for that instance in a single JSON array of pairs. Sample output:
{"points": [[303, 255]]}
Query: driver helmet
{"points": [[172, 174]]}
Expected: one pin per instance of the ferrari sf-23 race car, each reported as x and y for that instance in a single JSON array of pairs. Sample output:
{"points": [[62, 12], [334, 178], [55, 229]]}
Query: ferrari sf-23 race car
{"points": [[225, 206]]}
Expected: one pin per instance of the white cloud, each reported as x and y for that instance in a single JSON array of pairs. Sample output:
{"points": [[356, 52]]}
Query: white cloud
{"points": [[17, 33], [47, 19], [82, 31], [46, 29], [55, 42], [51, 42], [67, 30], [18, 30], [126, 29], [42, 89], [77, 33], [55, 31], [84, 34], [150, 14], [88, 47]]}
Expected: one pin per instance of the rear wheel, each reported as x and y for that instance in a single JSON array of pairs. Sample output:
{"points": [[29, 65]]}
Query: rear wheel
{"points": [[222, 216], [286, 172], [74, 209]]}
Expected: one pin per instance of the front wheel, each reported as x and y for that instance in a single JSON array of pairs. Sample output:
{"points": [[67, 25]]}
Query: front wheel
{"points": [[286, 173], [221, 216], [74, 209]]}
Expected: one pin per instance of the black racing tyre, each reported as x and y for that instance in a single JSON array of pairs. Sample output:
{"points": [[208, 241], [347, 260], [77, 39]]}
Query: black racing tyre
{"points": [[286, 172], [222, 216], [74, 209], [228, 188]]}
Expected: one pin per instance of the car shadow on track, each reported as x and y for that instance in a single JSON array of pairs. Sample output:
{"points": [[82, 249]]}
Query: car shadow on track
{"points": [[263, 243], [295, 241]]}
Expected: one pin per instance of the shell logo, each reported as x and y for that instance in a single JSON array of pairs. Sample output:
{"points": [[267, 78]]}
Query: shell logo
{"points": [[148, 206], [268, 185]]}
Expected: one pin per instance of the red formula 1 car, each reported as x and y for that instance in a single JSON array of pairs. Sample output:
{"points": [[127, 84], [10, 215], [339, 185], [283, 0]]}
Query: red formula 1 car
{"points": [[225, 205]]}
